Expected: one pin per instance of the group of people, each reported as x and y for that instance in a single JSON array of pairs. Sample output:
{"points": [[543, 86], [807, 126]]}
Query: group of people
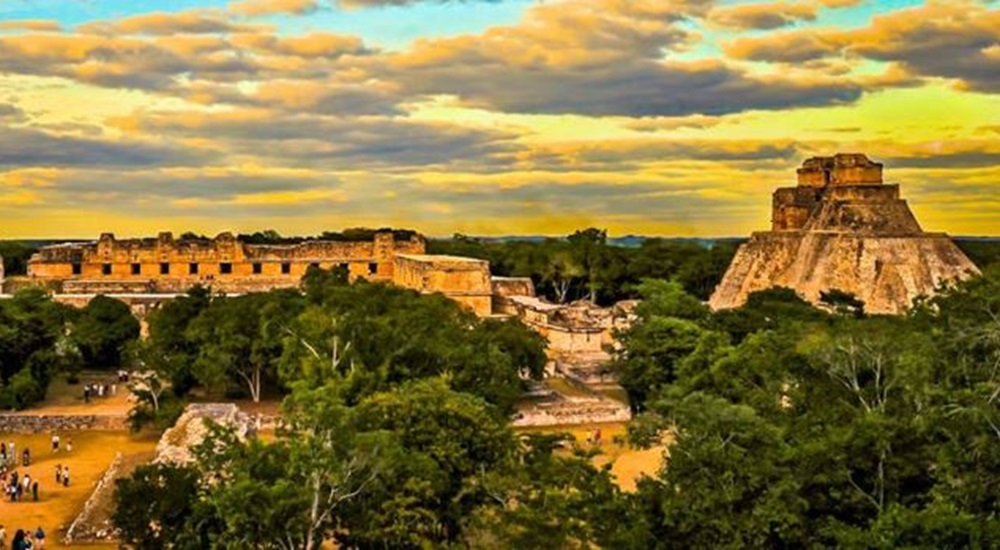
{"points": [[99, 390], [22, 487], [8, 455], [24, 539], [17, 487]]}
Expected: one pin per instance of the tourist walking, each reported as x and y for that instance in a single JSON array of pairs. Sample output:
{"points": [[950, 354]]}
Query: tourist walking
{"points": [[65, 475], [40, 537], [34, 491], [58, 474], [3, 537], [69, 444], [19, 542], [55, 443]]}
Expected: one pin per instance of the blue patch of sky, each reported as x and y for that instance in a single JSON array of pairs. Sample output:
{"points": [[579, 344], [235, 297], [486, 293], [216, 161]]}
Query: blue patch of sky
{"points": [[850, 17], [395, 27], [391, 27], [74, 12]]}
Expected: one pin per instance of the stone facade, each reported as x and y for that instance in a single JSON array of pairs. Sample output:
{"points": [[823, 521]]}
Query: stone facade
{"points": [[577, 329], [465, 280], [168, 265], [843, 229]]}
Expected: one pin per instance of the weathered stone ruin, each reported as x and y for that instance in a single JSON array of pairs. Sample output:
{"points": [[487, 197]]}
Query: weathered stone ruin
{"points": [[465, 280], [843, 229], [192, 428], [225, 264], [144, 272]]}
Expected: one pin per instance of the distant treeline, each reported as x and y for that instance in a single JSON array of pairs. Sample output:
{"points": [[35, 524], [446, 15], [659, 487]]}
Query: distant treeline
{"points": [[587, 265], [354, 234], [983, 252]]}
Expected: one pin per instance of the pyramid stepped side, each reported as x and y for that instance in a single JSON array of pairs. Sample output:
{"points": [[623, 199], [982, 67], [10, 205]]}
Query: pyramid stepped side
{"points": [[862, 239]]}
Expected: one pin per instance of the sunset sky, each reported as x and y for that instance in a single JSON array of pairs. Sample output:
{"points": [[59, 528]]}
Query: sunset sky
{"points": [[656, 117]]}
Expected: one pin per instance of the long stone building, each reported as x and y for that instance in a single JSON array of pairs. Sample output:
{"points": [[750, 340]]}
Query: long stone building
{"points": [[842, 228], [149, 270]]}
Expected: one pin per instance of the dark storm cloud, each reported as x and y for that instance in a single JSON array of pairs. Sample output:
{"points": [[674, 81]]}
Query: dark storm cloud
{"points": [[333, 142], [30, 147]]}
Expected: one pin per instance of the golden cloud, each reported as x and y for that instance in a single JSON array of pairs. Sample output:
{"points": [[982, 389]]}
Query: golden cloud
{"points": [[255, 8], [761, 16], [40, 25]]}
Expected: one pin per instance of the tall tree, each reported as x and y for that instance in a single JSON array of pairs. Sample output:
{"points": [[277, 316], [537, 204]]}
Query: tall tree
{"points": [[104, 331], [590, 250]]}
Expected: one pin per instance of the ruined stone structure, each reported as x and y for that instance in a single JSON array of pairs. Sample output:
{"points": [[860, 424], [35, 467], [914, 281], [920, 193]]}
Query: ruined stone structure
{"points": [[145, 272], [843, 229], [168, 265], [465, 280]]}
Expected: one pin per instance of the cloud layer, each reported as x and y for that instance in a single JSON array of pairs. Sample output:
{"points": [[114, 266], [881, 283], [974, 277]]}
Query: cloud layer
{"points": [[657, 116]]}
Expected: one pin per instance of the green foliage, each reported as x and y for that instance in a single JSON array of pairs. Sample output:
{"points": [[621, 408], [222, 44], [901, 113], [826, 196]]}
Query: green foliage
{"points": [[585, 265], [154, 504], [377, 336], [554, 499], [239, 340], [984, 253], [168, 351], [15, 257], [421, 466], [820, 430], [103, 331], [33, 347], [355, 234]]}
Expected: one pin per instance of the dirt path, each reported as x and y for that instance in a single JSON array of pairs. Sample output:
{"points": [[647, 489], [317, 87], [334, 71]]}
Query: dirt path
{"points": [[57, 506]]}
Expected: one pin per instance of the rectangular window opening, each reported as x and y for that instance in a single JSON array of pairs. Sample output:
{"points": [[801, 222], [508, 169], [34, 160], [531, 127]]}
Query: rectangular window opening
{"points": [[193, 269], [136, 269], [164, 269], [106, 269], [258, 268], [372, 268], [226, 268], [286, 268], [77, 269]]}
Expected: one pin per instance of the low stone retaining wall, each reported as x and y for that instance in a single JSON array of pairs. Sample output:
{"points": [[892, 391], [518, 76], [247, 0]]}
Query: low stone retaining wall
{"points": [[41, 423], [573, 411], [83, 527]]}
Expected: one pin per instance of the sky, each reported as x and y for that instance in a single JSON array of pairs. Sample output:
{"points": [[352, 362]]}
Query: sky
{"points": [[485, 117]]}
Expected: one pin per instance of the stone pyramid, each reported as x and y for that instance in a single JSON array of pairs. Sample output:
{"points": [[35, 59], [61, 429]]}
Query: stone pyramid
{"points": [[843, 229]]}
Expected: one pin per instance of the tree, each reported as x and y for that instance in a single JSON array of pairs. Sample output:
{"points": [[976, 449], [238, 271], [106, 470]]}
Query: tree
{"points": [[551, 498], [168, 351], [561, 271], [668, 329], [33, 347], [240, 339], [103, 331], [590, 251], [449, 442], [153, 505]]}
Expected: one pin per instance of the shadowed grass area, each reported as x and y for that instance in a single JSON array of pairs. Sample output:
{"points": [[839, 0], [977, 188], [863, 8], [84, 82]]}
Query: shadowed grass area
{"points": [[58, 506]]}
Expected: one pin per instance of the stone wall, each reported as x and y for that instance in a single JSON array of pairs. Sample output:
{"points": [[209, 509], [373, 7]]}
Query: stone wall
{"points": [[465, 280], [191, 429], [165, 265], [840, 169], [572, 411], [86, 527], [32, 424]]}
